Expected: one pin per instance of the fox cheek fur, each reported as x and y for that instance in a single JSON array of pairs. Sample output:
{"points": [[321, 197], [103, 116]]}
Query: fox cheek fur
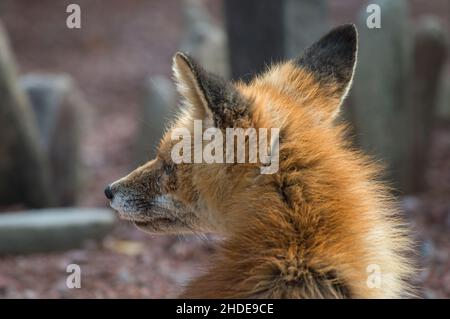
{"points": [[311, 230]]}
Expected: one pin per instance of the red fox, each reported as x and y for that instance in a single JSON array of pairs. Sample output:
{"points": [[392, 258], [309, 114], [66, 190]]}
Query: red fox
{"points": [[321, 226]]}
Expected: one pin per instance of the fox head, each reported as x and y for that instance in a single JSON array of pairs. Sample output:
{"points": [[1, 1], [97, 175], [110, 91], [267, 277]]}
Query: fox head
{"points": [[301, 97]]}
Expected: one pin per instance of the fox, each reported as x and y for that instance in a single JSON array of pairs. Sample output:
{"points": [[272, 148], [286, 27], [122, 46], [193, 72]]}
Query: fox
{"points": [[324, 225]]}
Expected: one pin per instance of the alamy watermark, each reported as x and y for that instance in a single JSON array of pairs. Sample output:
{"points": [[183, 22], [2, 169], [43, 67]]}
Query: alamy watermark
{"points": [[208, 146], [374, 277], [373, 21], [73, 20], [74, 279]]}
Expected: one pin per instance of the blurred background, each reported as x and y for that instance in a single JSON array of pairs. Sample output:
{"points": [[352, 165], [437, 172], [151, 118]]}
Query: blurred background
{"points": [[81, 107]]}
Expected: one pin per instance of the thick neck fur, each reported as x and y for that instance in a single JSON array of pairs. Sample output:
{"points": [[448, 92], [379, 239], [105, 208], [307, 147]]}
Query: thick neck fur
{"points": [[325, 221]]}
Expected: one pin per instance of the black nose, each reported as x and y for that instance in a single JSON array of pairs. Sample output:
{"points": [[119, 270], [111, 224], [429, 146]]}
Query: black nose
{"points": [[108, 192]]}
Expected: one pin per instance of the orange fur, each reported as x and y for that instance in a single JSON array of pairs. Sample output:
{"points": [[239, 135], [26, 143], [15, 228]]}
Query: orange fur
{"points": [[312, 230], [333, 216]]}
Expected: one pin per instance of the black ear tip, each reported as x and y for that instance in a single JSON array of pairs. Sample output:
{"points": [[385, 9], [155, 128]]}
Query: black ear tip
{"points": [[351, 30], [348, 27], [347, 32], [333, 56]]}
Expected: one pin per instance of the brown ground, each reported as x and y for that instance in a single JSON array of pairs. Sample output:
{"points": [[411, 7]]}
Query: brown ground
{"points": [[120, 43]]}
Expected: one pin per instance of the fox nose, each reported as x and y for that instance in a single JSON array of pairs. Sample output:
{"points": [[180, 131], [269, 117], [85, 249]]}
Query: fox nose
{"points": [[108, 192]]}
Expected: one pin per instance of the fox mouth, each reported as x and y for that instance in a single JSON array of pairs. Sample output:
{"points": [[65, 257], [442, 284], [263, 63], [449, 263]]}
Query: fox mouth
{"points": [[153, 221], [159, 219], [141, 210], [161, 214], [157, 225], [156, 214]]}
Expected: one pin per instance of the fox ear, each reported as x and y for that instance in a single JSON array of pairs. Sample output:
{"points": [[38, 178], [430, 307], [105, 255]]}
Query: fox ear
{"points": [[332, 61], [212, 98]]}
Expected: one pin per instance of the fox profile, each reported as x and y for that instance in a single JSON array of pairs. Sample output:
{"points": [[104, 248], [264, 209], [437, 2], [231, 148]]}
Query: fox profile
{"points": [[319, 227]]}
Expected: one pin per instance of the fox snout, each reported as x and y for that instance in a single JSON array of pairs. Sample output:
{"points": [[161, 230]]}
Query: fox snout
{"points": [[146, 197], [129, 203]]}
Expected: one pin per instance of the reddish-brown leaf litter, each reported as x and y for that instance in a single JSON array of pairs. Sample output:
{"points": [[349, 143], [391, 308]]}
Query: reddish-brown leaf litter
{"points": [[119, 44]]}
